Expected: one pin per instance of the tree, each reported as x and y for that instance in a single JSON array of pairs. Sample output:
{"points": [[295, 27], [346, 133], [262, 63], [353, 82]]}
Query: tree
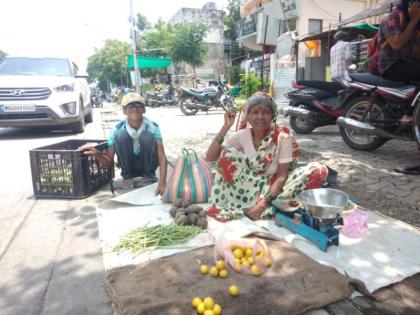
{"points": [[155, 43], [2, 54], [158, 38], [236, 54], [187, 44], [234, 74], [142, 23], [231, 19], [110, 62]]}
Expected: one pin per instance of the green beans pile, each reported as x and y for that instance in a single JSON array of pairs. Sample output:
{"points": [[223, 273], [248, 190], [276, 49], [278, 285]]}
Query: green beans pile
{"points": [[159, 236]]}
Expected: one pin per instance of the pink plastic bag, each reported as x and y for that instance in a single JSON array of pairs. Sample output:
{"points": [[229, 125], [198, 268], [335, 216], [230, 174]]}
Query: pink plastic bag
{"points": [[355, 224], [261, 255]]}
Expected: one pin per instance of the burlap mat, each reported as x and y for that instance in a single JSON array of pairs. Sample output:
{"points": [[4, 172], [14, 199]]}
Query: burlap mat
{"points": [[294, 284]]}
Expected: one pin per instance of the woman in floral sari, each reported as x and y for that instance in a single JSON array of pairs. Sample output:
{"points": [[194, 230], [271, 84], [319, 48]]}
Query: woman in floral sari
{"points": [[257, 164]]}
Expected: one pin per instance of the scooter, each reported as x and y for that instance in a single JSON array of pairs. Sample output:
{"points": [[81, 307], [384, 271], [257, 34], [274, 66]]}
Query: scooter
{"points": [[373, 108], [312, 104], [193, 100]]}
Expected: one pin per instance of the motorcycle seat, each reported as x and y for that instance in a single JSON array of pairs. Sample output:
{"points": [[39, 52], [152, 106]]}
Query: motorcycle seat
{"points": [[331, 87], [376, 80], [196, 90]]}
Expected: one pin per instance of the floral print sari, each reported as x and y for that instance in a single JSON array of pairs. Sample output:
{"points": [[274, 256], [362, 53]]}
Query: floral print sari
{"points": [[240, 181]]}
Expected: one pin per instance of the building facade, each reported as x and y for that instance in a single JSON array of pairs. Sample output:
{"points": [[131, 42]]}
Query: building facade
{"points": [[270, 26], [209, 15]]}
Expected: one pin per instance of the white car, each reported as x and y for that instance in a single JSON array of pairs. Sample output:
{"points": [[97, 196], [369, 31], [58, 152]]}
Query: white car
{"points": [[43, 92]]}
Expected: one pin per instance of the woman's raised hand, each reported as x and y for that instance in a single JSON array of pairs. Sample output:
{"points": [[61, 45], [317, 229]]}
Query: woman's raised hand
{"points": [[229, 118]]}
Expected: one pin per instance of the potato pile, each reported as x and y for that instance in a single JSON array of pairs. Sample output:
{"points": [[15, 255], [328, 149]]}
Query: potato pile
{"points": [[185, 213]]}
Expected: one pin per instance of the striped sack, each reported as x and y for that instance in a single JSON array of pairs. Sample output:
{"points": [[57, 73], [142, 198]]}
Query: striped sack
{"points": [[191, 179]]}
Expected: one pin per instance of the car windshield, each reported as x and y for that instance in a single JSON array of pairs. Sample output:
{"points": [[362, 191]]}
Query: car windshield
{"points": [[35, 66]]}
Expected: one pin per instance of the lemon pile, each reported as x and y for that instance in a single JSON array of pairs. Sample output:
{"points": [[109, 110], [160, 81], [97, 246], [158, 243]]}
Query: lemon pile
{"points": [[245, 258], [207, 306], [216, 271]]}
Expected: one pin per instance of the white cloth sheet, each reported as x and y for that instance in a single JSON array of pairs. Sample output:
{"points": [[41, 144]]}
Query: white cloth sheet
{"points": [[388, 254]]}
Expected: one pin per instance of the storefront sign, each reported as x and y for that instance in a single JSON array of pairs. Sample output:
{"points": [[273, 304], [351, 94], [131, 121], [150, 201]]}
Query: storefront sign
{"points": [[289, 8], [247, 26]]}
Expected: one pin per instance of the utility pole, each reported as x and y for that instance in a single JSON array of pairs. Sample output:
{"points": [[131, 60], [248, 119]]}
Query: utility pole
{"points": [[134, 46]]}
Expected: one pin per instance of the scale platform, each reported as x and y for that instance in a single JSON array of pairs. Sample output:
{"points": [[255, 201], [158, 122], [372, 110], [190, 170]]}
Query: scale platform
{"points": [[320, 232]]}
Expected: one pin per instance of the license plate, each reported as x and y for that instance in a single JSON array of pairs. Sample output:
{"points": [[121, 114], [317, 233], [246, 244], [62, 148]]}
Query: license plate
{"points": [[17, 108]]}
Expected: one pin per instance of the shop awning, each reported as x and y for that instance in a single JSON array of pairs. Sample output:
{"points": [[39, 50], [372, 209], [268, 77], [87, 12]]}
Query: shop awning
{"points": [[364, 29], [149, 62], [363, 26]]}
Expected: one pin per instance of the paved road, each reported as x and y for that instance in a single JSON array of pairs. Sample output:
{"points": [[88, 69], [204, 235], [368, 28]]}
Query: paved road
{"points": [[50, 255]]}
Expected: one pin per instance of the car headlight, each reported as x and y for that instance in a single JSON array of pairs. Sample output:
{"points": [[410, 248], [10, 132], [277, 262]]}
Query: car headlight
{"points": [[65, 88]]}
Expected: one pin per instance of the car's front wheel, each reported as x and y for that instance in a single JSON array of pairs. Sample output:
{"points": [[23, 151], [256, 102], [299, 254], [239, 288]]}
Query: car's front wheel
{"points": [[79, 126], [89, 116]]}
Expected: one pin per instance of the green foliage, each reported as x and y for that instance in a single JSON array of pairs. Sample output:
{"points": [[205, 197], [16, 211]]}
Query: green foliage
{"points": [[110, 62], [251, 83], [231, 19], [240, 102], [160, 23], [2, 54], [156, 42], [234, 74], [146, 87], [187, 44], [142, 22], [103, 85]]}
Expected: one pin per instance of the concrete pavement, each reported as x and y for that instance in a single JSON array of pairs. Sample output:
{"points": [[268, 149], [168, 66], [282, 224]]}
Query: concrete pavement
{"points": [[50, 255]]}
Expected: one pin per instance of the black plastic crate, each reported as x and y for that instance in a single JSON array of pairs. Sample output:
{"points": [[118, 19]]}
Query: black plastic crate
{"points": [[62, 171]]}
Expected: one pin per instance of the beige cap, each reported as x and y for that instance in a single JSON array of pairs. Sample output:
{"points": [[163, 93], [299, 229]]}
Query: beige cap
{"points": [[132, 98]]}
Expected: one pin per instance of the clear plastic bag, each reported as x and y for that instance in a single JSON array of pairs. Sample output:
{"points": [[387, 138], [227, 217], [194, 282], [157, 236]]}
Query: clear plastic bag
{"points": [[254, 255], [355, 224]]}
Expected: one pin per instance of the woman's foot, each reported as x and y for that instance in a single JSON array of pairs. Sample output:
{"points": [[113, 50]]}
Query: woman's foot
{"points": [[255, 211]]}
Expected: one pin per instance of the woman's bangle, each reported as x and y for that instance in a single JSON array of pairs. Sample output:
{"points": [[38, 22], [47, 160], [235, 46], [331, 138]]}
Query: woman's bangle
{"points": [[268, 198], [219, 139]]}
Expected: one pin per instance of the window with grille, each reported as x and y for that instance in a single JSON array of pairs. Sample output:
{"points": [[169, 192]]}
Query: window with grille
{"points": [[314, 26]]}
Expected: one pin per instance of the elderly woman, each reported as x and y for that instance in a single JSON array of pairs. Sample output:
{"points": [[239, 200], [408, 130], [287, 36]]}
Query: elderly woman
{"points": [[257, 164]]}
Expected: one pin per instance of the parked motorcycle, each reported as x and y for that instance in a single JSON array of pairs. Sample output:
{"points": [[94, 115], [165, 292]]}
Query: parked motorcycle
{"points": [[158, 98], [312, 104], [193, 100], [110, 98], [96, 100], [373, 107]]}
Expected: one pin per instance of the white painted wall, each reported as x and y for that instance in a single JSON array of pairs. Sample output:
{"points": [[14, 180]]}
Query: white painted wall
{"points": [[328, 11]]}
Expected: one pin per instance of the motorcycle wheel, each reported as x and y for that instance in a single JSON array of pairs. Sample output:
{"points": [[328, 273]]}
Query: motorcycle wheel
{"points": [[187, 106], [355, 109], [416, 124], [301, 126], [228, 103]]}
